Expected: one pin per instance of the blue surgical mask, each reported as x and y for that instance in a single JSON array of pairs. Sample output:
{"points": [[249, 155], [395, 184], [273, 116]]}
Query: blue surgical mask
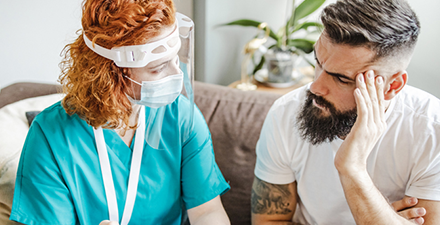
{"points": [[155, 94]]}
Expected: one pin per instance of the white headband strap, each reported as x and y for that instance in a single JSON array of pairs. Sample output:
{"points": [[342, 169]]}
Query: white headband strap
{"points": [[135, 56]]}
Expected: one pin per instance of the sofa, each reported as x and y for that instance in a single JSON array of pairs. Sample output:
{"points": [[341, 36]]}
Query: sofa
{"points": [[234, 118]]}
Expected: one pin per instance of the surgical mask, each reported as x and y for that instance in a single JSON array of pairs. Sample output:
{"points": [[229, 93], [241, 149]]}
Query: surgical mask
{"points": [[155, 94]]}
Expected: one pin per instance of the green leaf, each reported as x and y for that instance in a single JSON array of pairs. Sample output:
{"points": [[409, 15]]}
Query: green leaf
{"points": [[304, 9], [290, 23], [272, 46], [313, 36], [302, 44], [306, 25], [260, 65], [251, 23], [303, 55]]}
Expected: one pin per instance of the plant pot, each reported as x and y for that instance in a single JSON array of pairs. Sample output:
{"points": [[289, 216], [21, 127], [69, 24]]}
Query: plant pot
{"points": [[280, 64]]}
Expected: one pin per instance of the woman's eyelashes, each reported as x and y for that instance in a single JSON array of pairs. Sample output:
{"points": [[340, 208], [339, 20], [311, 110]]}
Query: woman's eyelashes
{"points": [[164, 65], [160, 67]]}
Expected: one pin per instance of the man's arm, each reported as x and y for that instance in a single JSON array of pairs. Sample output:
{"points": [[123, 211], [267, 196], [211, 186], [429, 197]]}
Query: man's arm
{"points": [[272, 203], [366, 203], [211, 212]]}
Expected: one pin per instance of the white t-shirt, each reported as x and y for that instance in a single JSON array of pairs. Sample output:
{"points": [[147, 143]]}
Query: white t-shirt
{"points": [[405, 160]]}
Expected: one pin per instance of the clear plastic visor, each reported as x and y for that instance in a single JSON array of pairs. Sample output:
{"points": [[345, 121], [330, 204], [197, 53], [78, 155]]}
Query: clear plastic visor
{"points": [[174, 51]]}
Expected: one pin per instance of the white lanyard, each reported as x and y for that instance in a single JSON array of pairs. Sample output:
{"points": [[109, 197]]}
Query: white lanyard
{"points": [[133, 179]]}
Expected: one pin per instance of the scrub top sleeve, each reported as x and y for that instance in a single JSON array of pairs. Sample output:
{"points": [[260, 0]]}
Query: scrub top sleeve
{"points": [[40, 196], [201, 178]]}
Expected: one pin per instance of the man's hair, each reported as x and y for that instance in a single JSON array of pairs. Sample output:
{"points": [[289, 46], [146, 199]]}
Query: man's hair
{"points": [[388, 27]]}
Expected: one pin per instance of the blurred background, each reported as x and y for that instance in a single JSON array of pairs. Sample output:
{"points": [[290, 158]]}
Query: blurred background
{"points": [[35, 32]]}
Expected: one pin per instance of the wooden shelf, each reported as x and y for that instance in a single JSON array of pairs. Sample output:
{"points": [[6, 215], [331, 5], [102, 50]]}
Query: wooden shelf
{"points": [[282, 91]]}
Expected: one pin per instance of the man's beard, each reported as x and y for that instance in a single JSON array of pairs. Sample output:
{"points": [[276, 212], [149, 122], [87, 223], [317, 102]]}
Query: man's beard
{"points": [[317, 128]]}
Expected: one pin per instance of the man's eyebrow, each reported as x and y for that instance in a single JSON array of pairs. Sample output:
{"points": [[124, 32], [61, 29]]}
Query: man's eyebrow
{"points": [[330, 73]]}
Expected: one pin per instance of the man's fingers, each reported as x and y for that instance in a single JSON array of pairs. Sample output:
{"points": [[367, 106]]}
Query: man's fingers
{"points": [[360, 92], [380, 95], [406, 202], [418, 220], [412, 213], [362, 86], [371, 87]]}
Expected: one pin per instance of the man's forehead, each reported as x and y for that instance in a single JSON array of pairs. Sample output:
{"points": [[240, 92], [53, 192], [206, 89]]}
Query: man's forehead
{"points": [[344, 59]]}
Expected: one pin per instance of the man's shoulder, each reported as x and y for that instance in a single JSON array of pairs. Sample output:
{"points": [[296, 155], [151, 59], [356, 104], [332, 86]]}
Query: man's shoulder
{"points": [[419, 103], [292, 101]]}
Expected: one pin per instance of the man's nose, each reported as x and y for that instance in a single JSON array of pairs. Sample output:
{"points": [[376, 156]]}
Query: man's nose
{"points": [[319, 86]]}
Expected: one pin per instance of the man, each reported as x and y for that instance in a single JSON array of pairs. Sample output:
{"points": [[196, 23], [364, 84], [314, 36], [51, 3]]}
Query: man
{"points": [[339, 150]]}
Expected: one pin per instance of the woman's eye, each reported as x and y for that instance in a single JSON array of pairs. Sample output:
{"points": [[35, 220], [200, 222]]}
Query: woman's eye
{"points": [[159, 69]]}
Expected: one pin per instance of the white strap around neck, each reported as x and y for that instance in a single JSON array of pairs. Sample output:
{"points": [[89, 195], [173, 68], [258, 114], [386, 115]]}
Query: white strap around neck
{"points": [[133, 179]]}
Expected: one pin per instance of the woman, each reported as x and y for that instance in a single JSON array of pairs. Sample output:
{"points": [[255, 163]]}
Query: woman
{"points": [[124, 145]]}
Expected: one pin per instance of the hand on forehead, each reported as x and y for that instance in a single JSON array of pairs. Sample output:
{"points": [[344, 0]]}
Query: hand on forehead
{"points": [[349, 60]]}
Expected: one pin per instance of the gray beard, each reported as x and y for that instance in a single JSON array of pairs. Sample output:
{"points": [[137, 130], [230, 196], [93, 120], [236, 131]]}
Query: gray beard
{"points": [[316, 128]]}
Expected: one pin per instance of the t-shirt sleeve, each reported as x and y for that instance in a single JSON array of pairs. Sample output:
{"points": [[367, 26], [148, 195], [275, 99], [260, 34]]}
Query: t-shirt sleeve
{"points": [[425, 176], [272, 149], [40, 196], [201, 179]]}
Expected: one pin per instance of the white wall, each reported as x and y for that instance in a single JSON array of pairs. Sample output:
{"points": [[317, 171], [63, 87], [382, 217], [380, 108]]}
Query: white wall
{"points": [[423, 69], [35, 32], [219, 55]]}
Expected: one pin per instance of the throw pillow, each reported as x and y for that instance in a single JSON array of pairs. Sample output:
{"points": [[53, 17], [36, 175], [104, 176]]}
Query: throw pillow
{"points": [[13, 130]]}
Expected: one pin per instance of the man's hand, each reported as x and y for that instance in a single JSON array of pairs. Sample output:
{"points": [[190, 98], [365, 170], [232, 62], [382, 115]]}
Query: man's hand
{"points": [[366, 203], [406, 209], [108, 222], [369, 126]]}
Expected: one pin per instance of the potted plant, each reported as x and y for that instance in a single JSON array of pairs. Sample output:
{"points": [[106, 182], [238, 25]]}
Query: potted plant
{"points": [[280, 57]]}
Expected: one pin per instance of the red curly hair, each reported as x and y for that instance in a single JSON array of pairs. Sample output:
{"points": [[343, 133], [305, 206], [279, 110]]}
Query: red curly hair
{"points": [[95, 87]]}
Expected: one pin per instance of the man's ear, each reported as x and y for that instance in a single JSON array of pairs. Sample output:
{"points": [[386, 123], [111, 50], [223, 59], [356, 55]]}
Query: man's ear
{"points": [[395, 84]]}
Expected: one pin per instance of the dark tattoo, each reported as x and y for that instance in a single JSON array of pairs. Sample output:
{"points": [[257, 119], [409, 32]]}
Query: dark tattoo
{"points": [[269, 198]]}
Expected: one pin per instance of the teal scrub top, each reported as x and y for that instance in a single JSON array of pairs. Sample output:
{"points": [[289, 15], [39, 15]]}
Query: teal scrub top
{"points": [[59, 178]]}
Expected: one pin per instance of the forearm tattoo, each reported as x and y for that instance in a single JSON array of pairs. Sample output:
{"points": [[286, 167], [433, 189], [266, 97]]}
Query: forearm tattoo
{"points": [[270, 199]]}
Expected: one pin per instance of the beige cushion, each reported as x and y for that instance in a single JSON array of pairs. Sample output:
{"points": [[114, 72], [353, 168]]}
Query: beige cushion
{"points": [[13, 129]]}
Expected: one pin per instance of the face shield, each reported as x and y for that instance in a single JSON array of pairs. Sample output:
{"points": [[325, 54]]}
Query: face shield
{"points": [[163, 91]]}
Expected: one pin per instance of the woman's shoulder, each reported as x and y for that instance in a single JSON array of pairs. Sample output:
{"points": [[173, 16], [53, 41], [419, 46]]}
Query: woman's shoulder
{"points": [[56, 116], [55, 111]]}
